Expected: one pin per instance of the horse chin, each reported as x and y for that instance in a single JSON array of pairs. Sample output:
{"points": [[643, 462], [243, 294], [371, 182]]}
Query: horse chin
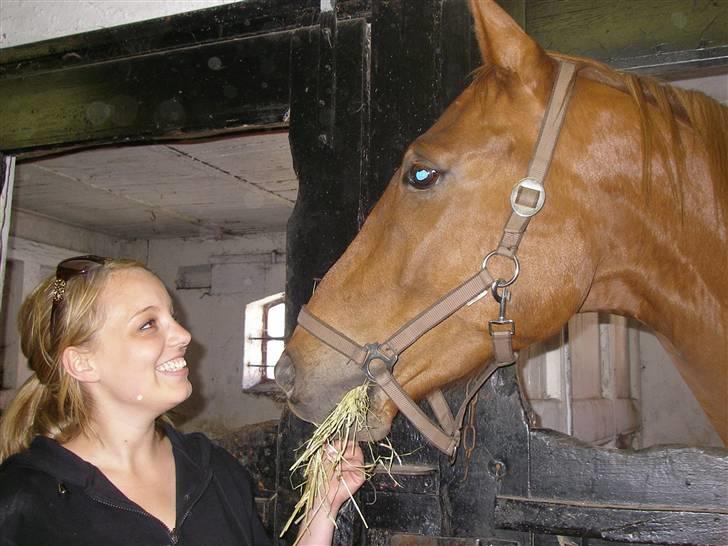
{"points": [[373, 433], [379, 418], [303, 413]]}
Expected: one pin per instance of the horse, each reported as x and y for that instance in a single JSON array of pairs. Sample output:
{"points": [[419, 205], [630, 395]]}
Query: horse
{"points": [[635, 223]]}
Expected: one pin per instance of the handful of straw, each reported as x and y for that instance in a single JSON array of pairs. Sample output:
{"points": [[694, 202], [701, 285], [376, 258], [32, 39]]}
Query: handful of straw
{"points": [[318, 456]]}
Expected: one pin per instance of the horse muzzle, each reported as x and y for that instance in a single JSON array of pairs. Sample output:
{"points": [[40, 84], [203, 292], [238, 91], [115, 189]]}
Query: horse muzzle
{"points": [[285, 374], [314, 391]]}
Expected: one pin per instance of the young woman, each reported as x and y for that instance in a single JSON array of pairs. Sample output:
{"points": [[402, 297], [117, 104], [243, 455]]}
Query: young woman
{"points": [[87, 456]]}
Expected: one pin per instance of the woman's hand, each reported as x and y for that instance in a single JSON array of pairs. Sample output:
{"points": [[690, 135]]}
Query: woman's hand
{"points": [[348, 476], [345, 478]]}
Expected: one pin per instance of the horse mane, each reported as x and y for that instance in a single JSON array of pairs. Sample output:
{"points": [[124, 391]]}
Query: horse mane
{"points": [[706, 117]]}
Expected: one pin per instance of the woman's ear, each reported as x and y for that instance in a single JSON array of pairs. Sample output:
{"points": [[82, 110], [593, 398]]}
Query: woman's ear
{"points": [[78, 364]]}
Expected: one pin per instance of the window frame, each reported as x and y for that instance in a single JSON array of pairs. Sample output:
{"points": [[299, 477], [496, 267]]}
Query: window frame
{"points": [[259, 311]]}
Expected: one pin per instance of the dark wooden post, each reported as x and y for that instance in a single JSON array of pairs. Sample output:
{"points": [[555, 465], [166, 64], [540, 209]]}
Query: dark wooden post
{"points": [[329, 144]]}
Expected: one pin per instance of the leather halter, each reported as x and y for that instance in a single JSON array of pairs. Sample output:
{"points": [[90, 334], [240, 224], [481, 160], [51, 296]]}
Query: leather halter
{"points": [[378, 359]]}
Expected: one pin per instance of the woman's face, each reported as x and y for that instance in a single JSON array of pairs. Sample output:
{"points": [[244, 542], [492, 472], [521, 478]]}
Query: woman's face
{"points": [[139, 350]]}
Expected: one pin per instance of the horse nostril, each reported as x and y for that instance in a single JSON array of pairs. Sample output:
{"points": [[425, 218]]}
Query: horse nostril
{"points": [[285, 373]]}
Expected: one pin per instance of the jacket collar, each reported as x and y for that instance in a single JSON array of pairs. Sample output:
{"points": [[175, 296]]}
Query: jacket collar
{"points": [[191, 456]]}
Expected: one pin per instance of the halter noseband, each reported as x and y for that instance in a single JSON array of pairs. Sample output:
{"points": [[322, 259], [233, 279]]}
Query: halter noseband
{"points": [[378, 359]]}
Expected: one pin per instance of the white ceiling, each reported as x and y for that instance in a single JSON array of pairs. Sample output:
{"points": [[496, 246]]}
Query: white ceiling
{"points": [[229, 186]]}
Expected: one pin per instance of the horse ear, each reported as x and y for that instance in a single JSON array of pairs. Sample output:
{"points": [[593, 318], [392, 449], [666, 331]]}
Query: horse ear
{"points": [[504, 44]]}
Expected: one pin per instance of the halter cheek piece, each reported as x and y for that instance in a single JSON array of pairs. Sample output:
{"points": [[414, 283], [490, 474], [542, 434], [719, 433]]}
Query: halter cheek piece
{"points": [[378, 359]]}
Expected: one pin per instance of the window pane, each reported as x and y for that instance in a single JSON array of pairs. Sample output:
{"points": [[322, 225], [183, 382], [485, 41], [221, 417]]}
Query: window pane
{"points": [[277, 320], [275, 348]]}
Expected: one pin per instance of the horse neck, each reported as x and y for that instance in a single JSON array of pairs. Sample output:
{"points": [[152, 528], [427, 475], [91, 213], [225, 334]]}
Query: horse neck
{"points": [[667, 270]]}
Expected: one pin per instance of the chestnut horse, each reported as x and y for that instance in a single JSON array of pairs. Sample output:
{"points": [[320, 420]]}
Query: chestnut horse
{"points": [[635, 223]]}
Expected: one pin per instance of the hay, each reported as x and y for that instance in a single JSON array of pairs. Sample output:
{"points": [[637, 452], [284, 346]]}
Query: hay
{"points": [[318, 455]]}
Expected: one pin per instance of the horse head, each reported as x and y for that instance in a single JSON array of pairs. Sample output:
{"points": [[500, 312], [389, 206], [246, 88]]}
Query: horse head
{"points": [[444, 210]]}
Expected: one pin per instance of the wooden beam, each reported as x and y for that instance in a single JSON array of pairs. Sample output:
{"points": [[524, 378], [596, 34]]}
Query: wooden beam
{"points": [[169, 94], [614, 522], [670, 37], [190, 75], [688, 476], [329, 145], [215, 24]]}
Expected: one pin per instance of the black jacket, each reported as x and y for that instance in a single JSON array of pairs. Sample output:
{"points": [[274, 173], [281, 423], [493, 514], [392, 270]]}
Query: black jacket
{"points": [[49, 496]]}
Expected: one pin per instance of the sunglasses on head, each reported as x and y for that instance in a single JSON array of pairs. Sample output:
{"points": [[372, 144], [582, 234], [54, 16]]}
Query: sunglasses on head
{"points": [[67, 270]]}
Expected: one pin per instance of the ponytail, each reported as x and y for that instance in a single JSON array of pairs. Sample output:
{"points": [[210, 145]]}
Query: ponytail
{"points": [[17, 427]]}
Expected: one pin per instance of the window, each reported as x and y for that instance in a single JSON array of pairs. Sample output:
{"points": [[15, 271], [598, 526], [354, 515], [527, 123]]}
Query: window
{"points": [[264, 330]]}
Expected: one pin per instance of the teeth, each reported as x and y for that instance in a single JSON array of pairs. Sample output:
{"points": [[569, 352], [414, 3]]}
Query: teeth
{"points": [[172, 365]]}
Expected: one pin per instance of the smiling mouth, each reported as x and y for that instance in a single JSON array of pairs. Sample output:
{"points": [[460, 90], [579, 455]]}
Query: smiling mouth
{"points": [[173, 365]]}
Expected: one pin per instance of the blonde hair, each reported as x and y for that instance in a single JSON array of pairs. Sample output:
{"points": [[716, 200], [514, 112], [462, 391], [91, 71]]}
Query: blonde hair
{"points": [[51, 402]]}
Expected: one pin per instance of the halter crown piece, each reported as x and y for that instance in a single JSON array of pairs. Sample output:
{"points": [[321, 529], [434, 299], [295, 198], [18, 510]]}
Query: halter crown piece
{"points": [[378, 359]]}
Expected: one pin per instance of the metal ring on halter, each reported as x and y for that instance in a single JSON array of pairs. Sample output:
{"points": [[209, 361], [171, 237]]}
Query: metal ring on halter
{"points": [[375, 351], [516, 271]]}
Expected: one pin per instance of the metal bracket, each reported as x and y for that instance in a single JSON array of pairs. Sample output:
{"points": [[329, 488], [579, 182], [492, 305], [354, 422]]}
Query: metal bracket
{"points": [[502, 299], [374, 352]]}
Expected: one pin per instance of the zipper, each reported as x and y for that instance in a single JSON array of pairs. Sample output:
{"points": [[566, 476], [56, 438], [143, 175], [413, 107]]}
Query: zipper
{"points": [[172, 533]]}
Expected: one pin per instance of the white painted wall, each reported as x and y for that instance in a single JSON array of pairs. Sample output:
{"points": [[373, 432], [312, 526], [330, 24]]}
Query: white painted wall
{"points": [[669, 412], [26, 21]]}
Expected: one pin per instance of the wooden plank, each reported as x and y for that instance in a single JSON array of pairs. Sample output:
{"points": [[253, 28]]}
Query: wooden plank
{"points": [[497, 464], [419, 64], [329, 156], [585, 360], [679, 476], [403, 539], [7, 176], [146, 97], [404, 512], [330, 170], [10, 369], [650, 524], [214, 24], [634, 33]]}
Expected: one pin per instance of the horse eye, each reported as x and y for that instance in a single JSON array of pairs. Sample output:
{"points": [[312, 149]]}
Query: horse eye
{"points": [[422, 177]]}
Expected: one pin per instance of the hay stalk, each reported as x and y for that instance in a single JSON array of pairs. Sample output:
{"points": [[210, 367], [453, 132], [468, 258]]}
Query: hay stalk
{"points": [[318, 456]]}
